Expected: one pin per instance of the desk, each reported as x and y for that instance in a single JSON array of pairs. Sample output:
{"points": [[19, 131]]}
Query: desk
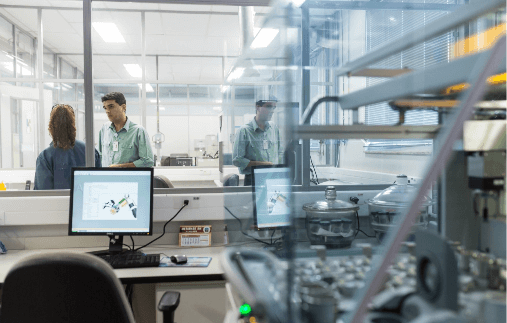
{"points": [[139, 275]]}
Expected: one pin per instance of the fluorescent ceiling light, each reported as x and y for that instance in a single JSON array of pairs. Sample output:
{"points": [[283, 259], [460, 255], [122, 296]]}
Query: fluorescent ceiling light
{"points": [[109, 32], [161, 108], [264, 38], [149, 88], [236, 74], [224, 88], [217, 108], [134, 70], [8, 66]]}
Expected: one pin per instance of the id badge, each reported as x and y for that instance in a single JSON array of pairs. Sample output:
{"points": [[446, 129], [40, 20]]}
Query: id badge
{"points": [[115, 145], [265, 144]]}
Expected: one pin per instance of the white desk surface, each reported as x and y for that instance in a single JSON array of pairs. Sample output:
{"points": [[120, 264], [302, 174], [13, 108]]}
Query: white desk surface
{"points": [[139, 275]]}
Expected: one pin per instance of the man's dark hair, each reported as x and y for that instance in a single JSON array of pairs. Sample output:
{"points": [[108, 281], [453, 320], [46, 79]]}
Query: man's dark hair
{"points": [[118, 97]]}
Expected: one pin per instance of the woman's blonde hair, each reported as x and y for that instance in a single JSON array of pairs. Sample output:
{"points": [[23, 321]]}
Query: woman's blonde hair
{"points": [[62, 126]]}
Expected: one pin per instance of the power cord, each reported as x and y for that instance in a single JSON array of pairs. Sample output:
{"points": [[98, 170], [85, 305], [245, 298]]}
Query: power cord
{"points": [[359, 230], [241, 227], [133, 244], [185, 203]]}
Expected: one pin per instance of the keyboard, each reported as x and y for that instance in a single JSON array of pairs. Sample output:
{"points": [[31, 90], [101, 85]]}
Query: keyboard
{"points": [[132, 260]]}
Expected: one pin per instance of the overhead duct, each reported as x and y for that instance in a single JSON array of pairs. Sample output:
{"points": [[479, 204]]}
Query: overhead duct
{"points": [[246, 26]]}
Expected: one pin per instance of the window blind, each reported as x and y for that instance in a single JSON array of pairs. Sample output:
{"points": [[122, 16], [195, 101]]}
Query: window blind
{"points": [[387, 25]]}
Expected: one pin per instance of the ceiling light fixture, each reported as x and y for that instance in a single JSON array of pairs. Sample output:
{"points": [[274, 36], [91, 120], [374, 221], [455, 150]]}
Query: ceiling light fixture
{"points": [[134, 70], [109, 32], [298, 3], [264, 38], [236, 74]]}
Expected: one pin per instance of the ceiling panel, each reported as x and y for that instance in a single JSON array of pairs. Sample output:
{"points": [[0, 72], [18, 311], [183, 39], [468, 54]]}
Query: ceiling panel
{"points": [[224, 26], [75, 16], [53, 22], [183, 7], [225, 9], [168, 33], [25, 18], [196, 45], [154, 23], [185, 24], [104, 71], [63, 42], [78, 28], [211, 72], [27, 2], [66, 3], [129, 23], [128, 5]]}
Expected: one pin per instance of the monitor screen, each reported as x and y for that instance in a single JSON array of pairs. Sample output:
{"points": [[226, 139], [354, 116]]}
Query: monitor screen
{"points": [[271, 193], [111, 201]]}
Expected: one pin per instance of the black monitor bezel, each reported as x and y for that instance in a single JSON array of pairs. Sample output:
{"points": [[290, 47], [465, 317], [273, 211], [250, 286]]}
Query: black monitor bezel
{"points": [[253, 168], [109, 169]]}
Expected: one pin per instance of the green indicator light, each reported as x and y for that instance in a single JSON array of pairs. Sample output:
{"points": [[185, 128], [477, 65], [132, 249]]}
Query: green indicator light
{"points": [[245, 309]]}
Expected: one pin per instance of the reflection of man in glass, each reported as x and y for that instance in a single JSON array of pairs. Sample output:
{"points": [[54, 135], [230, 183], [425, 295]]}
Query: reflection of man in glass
{"points": [[122, 143], [258, 142]]}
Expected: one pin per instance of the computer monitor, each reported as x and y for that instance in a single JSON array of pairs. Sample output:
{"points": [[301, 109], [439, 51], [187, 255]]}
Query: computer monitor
{"points": [[111, 201], [271, 188]]}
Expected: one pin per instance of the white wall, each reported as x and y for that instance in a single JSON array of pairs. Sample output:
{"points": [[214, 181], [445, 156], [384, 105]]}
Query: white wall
{"points": [[181, 131], [28, 109]]}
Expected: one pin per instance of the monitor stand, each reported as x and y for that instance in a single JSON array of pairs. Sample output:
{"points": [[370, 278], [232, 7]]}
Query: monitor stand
{"points": [[115, 246]]}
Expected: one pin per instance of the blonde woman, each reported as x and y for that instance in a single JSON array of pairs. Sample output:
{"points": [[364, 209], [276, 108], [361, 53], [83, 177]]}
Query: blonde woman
{"points": [[53, 166]]}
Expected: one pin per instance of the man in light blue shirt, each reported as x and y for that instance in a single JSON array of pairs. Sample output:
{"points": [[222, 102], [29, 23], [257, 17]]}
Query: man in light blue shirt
{"points": [[122, 143], [258, 142]]}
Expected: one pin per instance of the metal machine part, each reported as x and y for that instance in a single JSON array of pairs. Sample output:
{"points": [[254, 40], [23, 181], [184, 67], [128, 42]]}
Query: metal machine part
{"points": [[388, 206], [484, 140], [428, 282], [331, 222]]}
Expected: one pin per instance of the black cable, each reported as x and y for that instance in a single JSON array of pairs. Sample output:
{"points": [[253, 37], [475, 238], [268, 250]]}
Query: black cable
{"points": [[272, 234], [359, 230], [241, 227], [315, 171], [126, 245], [163, 231], [133, 244]]}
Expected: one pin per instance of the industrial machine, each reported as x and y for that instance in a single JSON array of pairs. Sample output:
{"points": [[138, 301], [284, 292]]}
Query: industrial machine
{"points": [[441, 252]]}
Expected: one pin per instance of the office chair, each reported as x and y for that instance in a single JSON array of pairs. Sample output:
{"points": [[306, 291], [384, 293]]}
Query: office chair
{"points": [[231, 180], [160, 181], [69, 287]]}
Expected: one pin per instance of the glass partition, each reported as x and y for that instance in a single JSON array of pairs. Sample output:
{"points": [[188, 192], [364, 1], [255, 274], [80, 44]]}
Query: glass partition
{"points": [[182, 69], [374, 100]]}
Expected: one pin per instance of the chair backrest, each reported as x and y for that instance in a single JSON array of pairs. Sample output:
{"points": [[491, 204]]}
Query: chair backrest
{"points": [[63, 287], [231, 180], [160, 181]]}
